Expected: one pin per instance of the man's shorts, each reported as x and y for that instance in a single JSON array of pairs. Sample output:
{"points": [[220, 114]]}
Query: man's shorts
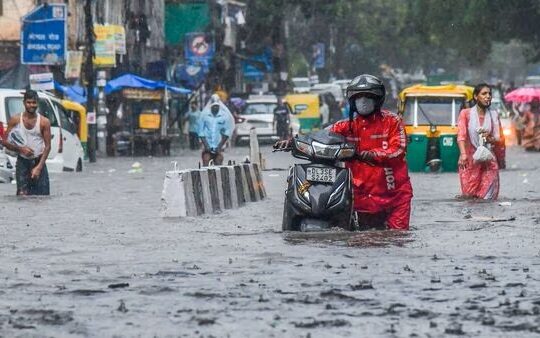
{"points": [[212, 155], [23, 175]]}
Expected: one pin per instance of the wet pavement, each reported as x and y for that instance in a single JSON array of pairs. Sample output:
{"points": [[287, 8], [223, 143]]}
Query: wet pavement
{"points": [[96, 259]]}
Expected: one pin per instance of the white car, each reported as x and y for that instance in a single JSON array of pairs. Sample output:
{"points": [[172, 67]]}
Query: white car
{"points": [[7, 168], [258, 113], [532, 81], [331, 88], [301, 85], [343, 84], [66, 150]]}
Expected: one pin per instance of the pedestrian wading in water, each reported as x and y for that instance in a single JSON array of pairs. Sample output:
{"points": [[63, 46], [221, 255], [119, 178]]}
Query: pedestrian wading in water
{"points": [[478, 134], [29, 135]]}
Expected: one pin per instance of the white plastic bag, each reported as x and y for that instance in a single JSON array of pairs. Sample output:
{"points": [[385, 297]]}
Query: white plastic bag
{"points": [[482, 154]]}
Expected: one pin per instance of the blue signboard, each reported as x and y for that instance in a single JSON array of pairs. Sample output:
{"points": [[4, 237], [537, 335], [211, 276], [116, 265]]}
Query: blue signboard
{"points": [[199, 49], [43, 35], [256, 66]]}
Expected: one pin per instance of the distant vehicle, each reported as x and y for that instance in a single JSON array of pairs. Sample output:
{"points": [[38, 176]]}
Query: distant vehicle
{"points": [[258, 113], [66, 150], [7, 169], [508, 123], [334, 89], [301, 85], [343, 84], [430, 115], [313, 79], [532, 81]]}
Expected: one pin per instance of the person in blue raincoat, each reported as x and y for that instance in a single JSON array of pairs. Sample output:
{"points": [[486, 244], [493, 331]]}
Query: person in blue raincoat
{"points": [[216, 126]]}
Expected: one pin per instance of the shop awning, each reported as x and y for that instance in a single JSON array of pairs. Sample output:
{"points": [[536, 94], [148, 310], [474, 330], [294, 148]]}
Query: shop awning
{"points": [[134, 81], [73, 93]]}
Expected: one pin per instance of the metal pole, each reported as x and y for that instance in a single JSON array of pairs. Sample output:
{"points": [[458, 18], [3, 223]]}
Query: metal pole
{"points": [[90, 79]]}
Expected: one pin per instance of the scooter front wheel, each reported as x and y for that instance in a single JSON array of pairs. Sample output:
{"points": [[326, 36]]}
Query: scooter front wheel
{"points": [[287, 222]]}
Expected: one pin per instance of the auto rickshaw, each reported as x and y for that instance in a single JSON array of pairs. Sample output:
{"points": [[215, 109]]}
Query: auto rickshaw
{"points": [[430, 115], [78, 114], [306, 108]]}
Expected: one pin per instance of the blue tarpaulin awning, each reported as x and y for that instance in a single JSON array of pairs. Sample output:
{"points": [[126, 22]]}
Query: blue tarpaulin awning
{"points": [[134, 81], [74, 92]]}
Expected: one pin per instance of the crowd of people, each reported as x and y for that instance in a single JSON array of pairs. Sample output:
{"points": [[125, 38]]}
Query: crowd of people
{"points": [[212, 126]]}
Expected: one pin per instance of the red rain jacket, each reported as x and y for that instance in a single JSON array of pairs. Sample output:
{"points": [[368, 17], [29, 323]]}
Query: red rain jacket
{"points": [[385, 184]]}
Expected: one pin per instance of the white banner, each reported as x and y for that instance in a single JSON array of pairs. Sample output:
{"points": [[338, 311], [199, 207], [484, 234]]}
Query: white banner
{"points": [[41, 81]]}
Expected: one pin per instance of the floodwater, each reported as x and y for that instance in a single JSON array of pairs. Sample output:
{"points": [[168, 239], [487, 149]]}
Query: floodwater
{"points": [[95, 259]]}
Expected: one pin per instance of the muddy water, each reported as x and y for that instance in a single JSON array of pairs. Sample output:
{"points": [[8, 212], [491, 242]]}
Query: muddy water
{"points": [[95, 259]]}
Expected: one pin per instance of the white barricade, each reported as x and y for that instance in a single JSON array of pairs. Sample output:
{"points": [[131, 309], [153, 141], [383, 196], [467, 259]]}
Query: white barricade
{"points": [[195, 192]]}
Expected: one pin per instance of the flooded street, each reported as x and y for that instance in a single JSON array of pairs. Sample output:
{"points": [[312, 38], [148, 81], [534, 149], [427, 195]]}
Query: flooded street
{"points": [[96, 259]]}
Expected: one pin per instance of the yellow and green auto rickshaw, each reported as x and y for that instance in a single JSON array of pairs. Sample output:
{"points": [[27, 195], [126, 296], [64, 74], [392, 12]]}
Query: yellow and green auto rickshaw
{"points": [[78, 114], [306, 108], [430, 115]]}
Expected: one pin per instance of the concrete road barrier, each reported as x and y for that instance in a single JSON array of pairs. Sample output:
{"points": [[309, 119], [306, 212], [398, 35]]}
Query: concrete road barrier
{"points": [[195, 192]]}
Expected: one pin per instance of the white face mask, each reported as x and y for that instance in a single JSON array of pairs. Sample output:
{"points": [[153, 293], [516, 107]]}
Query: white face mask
{"points": [[364, 105]]}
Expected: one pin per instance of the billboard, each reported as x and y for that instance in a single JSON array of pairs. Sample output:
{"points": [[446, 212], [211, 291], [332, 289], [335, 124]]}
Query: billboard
{"points": [[105, 46]]}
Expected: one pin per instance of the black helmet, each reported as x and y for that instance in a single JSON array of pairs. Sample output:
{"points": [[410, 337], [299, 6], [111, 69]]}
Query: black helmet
{"points": [[366, 84]]}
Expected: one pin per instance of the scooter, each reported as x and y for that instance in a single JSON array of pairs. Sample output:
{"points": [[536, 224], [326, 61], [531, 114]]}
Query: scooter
{"points": [[319, 193]]}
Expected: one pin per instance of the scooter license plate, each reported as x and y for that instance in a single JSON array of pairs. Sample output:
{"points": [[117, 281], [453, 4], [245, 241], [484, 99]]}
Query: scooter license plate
{"points": [[326, 175]]}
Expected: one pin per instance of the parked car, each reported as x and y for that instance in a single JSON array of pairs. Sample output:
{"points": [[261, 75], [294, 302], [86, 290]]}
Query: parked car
{"points": [[66, 151], [258, 112], [7, 169]]}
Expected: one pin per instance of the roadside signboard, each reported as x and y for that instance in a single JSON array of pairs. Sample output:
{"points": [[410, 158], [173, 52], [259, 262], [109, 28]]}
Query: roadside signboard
{"points": [[199, 49], [142, 94], [105, 46], [43, 35], [119, 39], [41, 81], [91, 117], [73, 64]]}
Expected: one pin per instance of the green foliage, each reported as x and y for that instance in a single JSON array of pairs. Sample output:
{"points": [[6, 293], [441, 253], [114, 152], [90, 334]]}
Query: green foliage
{"points": [[402, 33]]}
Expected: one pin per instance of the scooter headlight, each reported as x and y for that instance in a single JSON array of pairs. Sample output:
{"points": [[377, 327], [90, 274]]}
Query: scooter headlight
{"points": [[325, 151], [304, 148], [346, 153], [305, 195]]}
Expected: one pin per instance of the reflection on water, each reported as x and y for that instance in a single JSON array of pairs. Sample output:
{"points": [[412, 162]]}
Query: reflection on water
{"points": [[363, 239]]}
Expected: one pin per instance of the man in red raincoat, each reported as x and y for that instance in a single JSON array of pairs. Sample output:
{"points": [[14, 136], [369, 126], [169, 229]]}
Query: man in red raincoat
{"points": [[382, 188], [381, 184]]}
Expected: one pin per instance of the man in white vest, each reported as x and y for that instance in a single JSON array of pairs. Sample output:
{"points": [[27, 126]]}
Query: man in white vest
{"points": [[29, 135]]}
